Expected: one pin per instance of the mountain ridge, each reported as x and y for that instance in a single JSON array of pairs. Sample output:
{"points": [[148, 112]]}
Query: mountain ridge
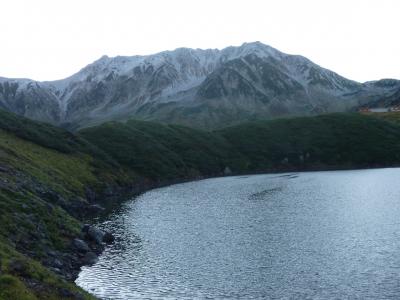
{"points": [[208, 89]]}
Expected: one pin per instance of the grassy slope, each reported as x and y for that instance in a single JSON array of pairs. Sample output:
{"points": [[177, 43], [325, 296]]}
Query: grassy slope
{"points": [[41, 166], [20, 285], [393, 117], [26, 168]]}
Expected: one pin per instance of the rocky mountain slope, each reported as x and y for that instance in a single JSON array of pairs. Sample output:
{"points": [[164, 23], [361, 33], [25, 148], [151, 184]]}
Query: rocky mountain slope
{"points": [[199, 88]]}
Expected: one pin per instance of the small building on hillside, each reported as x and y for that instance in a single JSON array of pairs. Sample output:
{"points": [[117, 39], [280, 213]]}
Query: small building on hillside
{"points": [[395, 108], [375, 109], [363, 110], [379, 109]]}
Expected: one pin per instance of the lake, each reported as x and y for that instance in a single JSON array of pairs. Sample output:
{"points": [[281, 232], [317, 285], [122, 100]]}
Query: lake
{"points": [[313, 235]]}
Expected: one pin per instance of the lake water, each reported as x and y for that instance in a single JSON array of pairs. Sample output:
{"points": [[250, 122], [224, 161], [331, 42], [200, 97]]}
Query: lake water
{"points": [[317, 235]]}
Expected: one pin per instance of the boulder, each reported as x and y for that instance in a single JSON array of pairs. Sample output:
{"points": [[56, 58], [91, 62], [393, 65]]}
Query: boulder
{"points": [[65, 293], [95, 234], [90, 258], [56, 270], [108, 238], [51, 253], [57, 263], [19, 267], [85, 228], [95, 209], [227, 171], [90, 194], [81, 245]]}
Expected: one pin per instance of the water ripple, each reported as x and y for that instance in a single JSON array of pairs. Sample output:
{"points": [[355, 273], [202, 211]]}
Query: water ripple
{"points": [[321, 235]]}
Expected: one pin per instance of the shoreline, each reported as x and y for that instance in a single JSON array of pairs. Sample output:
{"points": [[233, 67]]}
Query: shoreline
{"points": [[122, 195]]}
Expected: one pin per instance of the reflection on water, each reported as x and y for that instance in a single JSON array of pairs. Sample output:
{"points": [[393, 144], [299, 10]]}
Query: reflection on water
{"points": [[318, 235], [264, 194]]}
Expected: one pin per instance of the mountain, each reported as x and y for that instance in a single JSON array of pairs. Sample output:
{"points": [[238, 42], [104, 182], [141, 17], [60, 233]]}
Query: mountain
{"points": [[199, 88]]}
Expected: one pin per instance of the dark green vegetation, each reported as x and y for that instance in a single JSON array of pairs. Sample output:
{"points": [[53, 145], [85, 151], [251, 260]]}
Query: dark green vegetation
{"points": [[49, 176], [393, 117], [164, 152], [328, 141]]}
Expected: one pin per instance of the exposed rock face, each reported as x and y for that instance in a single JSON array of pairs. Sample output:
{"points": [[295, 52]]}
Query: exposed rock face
{"points": [[31, 99], [200, 88]]}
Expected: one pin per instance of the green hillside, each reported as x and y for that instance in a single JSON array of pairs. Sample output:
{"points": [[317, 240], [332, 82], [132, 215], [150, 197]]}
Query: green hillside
{"points": [[45, 173], [159, 151], [321, 142]]}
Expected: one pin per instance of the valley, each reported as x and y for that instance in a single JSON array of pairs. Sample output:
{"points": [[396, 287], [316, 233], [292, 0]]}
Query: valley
{"points": [[53, 180]]}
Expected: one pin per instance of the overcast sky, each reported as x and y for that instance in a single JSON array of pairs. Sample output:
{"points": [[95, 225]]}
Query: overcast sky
{"points": [[48, 39]]}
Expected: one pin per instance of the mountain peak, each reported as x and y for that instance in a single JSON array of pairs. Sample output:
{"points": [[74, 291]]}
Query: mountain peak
{"points": [[256, 45], [253, 48]]}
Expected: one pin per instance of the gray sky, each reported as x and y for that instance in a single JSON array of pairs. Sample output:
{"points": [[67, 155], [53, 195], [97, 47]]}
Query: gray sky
{"points": [[52, 39]]}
